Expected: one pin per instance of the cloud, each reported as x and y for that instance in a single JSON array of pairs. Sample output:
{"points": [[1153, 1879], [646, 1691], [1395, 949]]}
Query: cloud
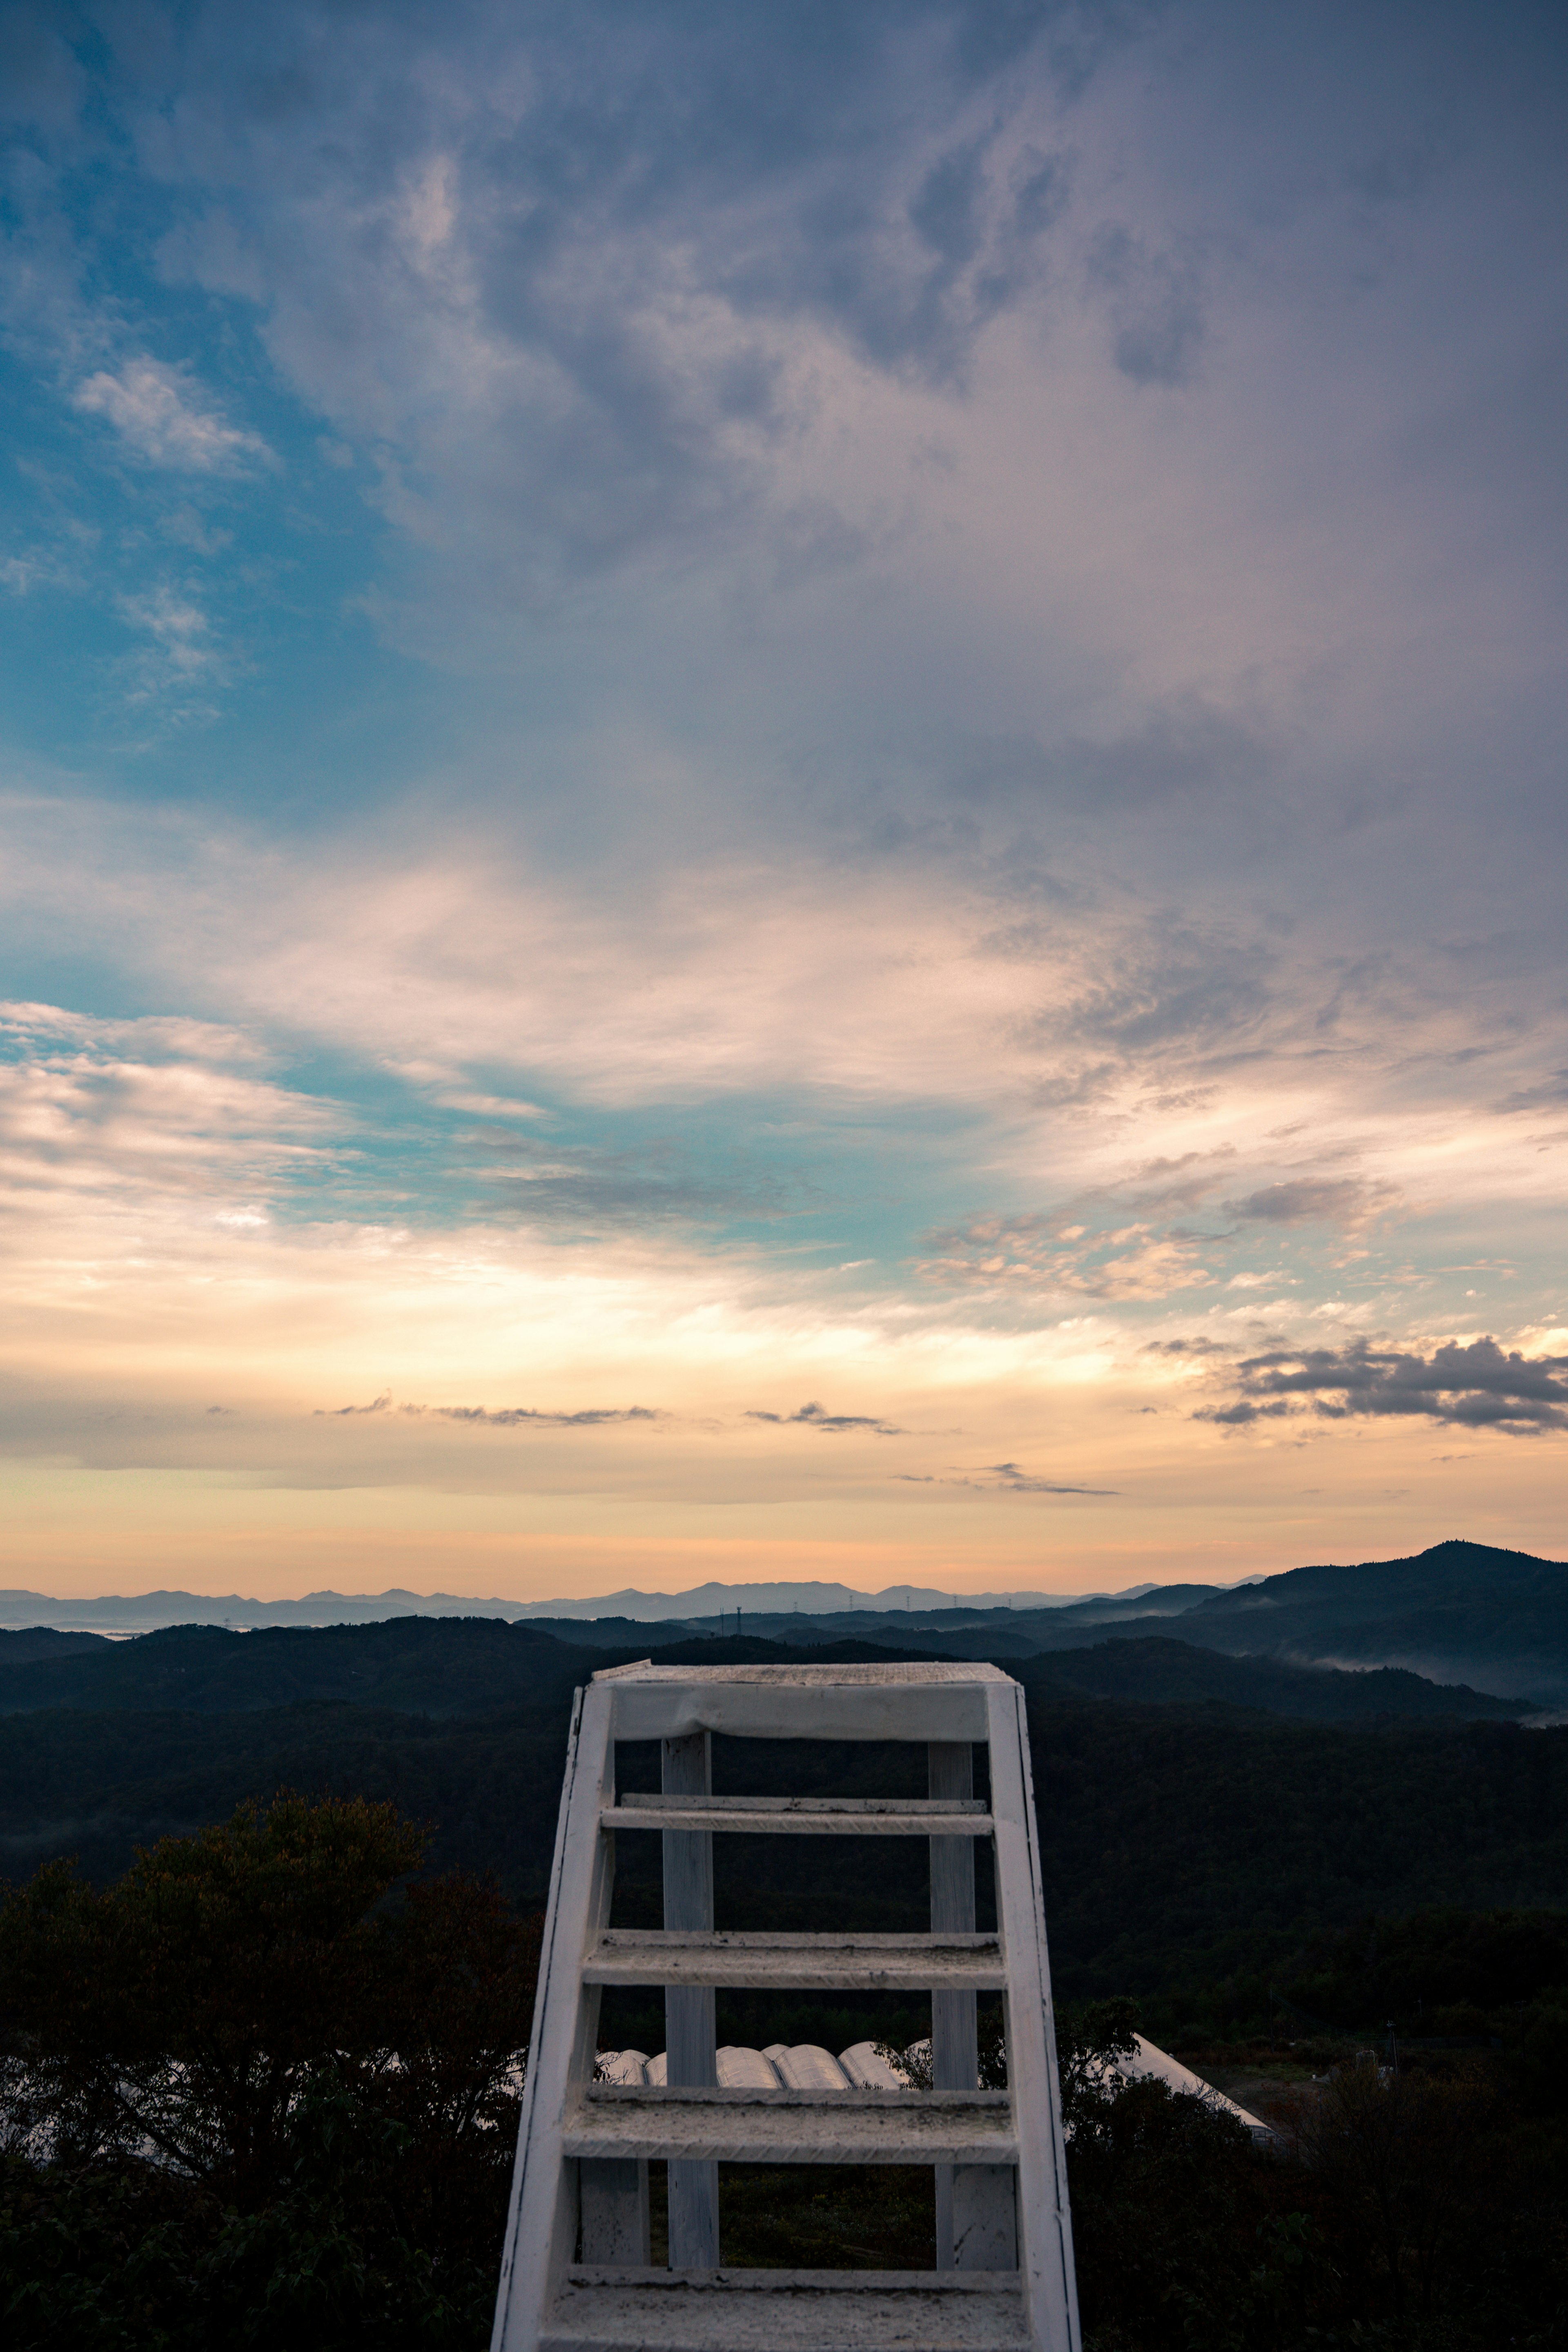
{"points": [[1316, 1200], [526, 1417], [1002, 1478], [813, 1416], [478, 1416], [1015, 1481], [145, 1113], [590, 1187], [1041, 1255], [1471, 1384], [161, 416], [182, 656], [1153, 297], [172, 1036], [577, 286], [1171, 985]]}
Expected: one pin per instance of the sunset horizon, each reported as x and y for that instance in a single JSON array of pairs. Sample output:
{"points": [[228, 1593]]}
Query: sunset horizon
{"points": [[782, 798]]}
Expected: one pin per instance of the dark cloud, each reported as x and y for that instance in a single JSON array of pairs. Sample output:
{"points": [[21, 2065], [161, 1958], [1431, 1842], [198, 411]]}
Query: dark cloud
{"points": [[590, 1187], [1314, 1200], [1179, 985], [813, 1416], [1184, 746], [1153, 297], [1550, 1094], [1473, 1385], [1002, 1478], [528, 1417], [607, 171], [505, 1416], [1015, 1481]]}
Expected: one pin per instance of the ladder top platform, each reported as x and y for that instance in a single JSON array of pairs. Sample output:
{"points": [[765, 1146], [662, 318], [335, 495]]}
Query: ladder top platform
{"points": [[896, 1701], [861, 1677]]}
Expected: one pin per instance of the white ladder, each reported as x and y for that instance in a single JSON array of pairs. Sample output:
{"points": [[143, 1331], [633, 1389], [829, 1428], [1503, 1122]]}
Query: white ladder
{"points": [[576, 2275]]}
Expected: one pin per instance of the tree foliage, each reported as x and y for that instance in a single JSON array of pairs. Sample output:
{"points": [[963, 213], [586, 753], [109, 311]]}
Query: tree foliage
{"points": [[266, 2082]]}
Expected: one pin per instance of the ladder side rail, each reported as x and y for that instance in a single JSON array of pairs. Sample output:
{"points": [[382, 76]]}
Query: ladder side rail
{"points": [[1045, 2218], [686, 1768], [954, 2047], [541, 2225]]}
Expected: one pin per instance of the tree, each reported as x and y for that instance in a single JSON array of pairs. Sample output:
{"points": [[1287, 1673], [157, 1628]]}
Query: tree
{"points": [[191, 2015]]}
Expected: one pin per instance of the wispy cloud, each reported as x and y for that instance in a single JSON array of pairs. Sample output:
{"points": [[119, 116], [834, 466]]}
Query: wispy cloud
{"points": [[182, 658], [161, 416], [919, 727], [530, 1417], [500, 1417], [1041, 1254], [1316, 1200], [816, 1416], [1000, 1478]]}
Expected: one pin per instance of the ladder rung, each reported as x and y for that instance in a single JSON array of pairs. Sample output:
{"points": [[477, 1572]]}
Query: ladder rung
{"points": [[619, 2120], [805, 1816], [894, 1963], [786, 2310]]}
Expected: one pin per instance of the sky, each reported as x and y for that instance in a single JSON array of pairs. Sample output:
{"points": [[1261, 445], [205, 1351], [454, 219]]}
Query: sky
{"points": [[781, 791]]}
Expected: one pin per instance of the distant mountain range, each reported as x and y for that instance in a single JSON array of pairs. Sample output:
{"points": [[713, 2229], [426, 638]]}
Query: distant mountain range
{"points": [[1459, 1614], [144, 1612]]}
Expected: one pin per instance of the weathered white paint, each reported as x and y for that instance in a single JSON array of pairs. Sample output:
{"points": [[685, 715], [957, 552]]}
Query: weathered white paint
{"points": [[891, 1702], [1045, 2219], [614, 2213], [687, 1772], [756, 1817], [786, 2127], [787, 2311], [572, 2124], [647, 1956], [541, 2226], [950, 1769]]}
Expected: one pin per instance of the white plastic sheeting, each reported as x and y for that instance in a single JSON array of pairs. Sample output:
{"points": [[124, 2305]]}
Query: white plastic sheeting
{"points": [[745, 2070], [804, 2067], [807, 2068], [1152, 2061]]}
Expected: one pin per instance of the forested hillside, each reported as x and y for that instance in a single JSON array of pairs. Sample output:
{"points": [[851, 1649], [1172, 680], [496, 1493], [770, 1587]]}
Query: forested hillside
{"points": [[1186, 1843]]}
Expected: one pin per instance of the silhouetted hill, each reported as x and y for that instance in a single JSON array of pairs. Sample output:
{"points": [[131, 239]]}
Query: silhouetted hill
{"points": [[1459, 1611], [613, 1632], [457, 1665], [19, 1648], [1156, 1669], [440, 1665]]}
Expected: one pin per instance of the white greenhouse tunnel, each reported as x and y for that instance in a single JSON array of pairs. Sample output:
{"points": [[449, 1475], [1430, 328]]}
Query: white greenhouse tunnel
{"points": [[808, 2067]]}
